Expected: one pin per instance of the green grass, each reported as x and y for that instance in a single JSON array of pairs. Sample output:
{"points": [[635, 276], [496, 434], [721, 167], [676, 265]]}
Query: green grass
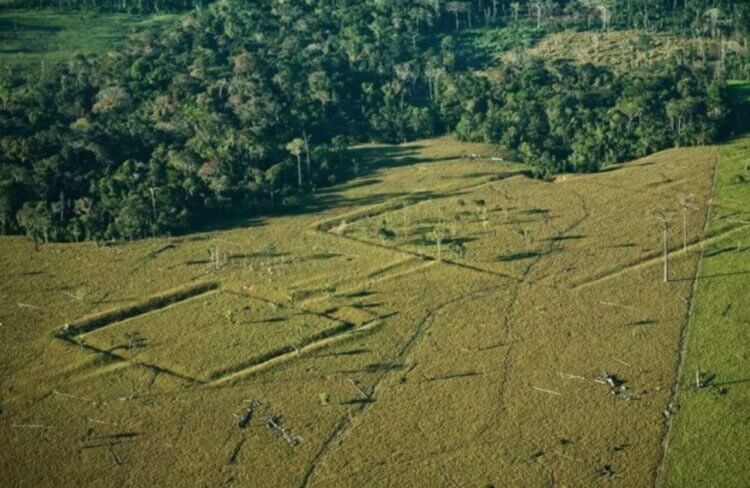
{"points": [[481, 47], [711, 433], [29, 38], [739, 99]]}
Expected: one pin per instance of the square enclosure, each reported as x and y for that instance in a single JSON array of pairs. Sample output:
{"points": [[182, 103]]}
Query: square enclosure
{"points": [[212, 335]]}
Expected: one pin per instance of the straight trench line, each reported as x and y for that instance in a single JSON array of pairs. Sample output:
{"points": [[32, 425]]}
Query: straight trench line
{"points": [[401, 268], [292, 355], [320, 228], [394, 204], [659, 192], [658, 259], [126, 361], [147, 313], [660, 469], [426, 257]]}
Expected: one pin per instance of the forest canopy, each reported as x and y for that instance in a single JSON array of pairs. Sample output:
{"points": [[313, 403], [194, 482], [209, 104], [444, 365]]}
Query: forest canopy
{"points": [[246, 105]]}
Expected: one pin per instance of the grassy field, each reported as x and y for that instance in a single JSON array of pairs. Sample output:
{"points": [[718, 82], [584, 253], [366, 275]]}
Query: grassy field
{"points": [[710, 438], [540, 348], [620, 50], [29, 38], [483, 47]]}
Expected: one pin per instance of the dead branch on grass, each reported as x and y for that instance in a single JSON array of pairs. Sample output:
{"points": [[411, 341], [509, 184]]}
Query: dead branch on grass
{"points": [[362, 392], [622, 362], [95, 421], [73, 296], [235, 452], [274, 423], [247, 416], [617, 305], [543, 390], [114, 456], [571, 376], [66, 395]]}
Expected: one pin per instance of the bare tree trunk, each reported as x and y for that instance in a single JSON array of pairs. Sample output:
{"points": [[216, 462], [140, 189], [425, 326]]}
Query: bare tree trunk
{"points": [[538, 16], [153, 202], [306, 139], [666, 256], [684, 230], [299, 171]]}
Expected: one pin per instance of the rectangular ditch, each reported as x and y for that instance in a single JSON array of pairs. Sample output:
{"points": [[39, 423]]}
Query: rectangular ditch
{"points": [[157, 302]]}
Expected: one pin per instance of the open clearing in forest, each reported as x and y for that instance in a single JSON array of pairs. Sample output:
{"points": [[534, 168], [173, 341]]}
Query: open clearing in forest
{"points": [[536, 344], [30, 38], [622, 50]]}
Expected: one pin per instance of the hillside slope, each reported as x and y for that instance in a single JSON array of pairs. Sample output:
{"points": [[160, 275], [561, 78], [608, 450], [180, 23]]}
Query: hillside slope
{"points": [[444, 319]]}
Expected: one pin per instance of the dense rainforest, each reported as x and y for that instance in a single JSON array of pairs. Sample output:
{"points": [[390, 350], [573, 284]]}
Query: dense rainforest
{"points": [[246, 105]]}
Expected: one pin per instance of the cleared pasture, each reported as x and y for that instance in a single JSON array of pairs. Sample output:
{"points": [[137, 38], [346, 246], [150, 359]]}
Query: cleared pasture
{"points": [[709, 436], [31, 38], [623, 50], [333, 354]]}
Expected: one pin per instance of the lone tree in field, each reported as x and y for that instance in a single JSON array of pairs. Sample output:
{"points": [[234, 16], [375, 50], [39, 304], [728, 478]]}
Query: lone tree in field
{"points": [[385, 234], [458, 248], [439, 234], [665, 221], [482, 213], [215, 258], [297, 147], [686, 205], [526, 237], [294, 295], [342, 227]]}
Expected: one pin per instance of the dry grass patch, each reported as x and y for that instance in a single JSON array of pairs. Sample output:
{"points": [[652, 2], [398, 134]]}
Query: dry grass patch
{"points": [[621, 50], [487, 366]]}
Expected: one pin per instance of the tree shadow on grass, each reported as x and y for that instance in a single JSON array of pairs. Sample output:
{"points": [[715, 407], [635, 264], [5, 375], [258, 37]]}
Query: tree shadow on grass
{"points": [[239, 257], [375, 368], [350, 352], [518, 256], [534, 211], [10, 28], [640, 323], [733, 382], [359, 294], [371, 160], [713, 276], [628, 245], [564, 238], [358, 401], [717, 252], [452, 376]]}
